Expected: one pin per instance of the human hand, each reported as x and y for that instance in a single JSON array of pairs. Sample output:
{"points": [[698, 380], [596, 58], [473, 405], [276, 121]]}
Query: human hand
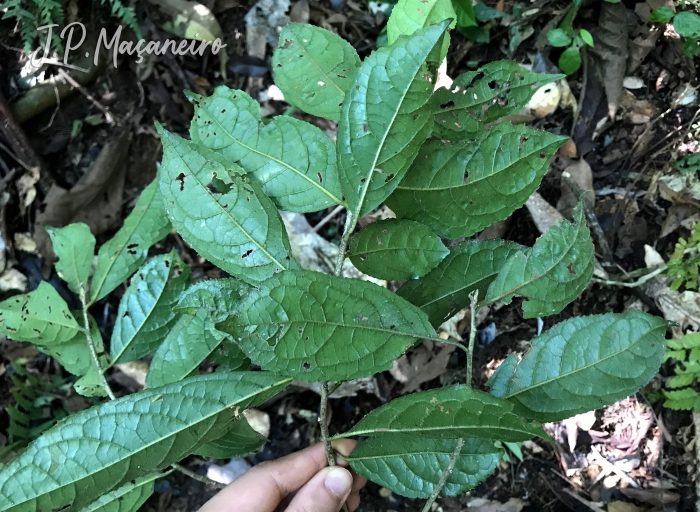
{"points": [[299, 482]]}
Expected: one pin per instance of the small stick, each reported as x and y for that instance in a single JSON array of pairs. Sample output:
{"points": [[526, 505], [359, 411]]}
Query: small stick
{"points": [[325, 220], [633, 284], [473, 299], [197, 476], [445, 475], [108, 115]]}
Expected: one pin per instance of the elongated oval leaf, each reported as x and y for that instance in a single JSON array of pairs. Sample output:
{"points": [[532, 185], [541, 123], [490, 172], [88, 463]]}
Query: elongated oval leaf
{"points": [[479, 97], [293, 161], [385, 120], [459, 188], [186, 346], [582, 364], [218, 297], [448, 413], [222, 214], [134, 436], [126, 251], [145, 313], [396, 249], [409, 16], [74, 246], [412, 466], [314, 68], [240, 440], [553, 273], [127, 498], [41, 317], [315, 326], [471, 265]]}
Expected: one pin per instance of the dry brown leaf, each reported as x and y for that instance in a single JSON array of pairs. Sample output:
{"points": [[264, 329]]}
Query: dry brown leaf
{"points": [[611, 47], [651, 496], [25, 187], [581, 173], [483, 505], [621, 506], [544, 215], [568, 149], [95, 200], [300, 12], [421, 365]]}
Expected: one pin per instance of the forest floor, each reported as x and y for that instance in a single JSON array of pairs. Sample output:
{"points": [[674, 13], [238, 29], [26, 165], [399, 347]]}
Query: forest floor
{"points": [[97, 149]]}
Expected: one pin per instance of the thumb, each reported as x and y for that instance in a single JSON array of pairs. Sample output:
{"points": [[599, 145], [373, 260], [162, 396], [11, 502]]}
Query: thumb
{"points": [[325, 492]]}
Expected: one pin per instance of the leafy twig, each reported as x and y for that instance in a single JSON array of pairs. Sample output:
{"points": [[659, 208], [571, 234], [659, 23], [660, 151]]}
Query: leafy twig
{"points": [[445, 475], [197, 476], [91, 346], [474, 299]]}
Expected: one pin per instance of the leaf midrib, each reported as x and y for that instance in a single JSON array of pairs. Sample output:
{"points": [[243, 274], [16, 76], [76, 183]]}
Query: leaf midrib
{"points": [[566, 375], [470, 183], [226, 212], [147, 446], [371, 431], [272, 158]]}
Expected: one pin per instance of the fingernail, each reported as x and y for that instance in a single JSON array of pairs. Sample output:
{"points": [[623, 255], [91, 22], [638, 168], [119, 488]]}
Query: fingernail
{"points": [[339, 482]]}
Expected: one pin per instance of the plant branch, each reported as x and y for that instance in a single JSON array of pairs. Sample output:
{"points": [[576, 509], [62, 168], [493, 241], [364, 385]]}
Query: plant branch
{"points": [[197, 476], [636, 283], [91, 346], [350, 223], [445, 476], [474, 300], [323, 422]]}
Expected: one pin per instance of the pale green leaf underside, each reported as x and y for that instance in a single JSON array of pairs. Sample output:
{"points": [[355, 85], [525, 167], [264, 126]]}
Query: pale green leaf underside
{"points": [[551, 274], [471, 265], [223, 215], [185, 347], [412, 466], [314, 68], [386, 118], [126, 251], [480, 97], [582, 364], [41, 317], [97, 450], [448, 413], [396, 249], [293, 161], [459, 188], [127, 498], [218, 297], [314, 326], [74, 246], [409, 16], [240, 440], [145, 314]]}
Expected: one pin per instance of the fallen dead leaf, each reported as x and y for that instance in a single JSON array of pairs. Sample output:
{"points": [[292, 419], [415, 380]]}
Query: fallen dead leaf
{"points": [[421, 365], [544, 215], [568, 149], [95, 200], [622, 506], [13, 280], [581, 173], [483, 505], [652, 496], [25, 187]]}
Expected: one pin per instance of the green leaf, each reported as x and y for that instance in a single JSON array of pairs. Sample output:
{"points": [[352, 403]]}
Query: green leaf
{"points": [[223, 215], [293, 161], [127, 498], [40, 317], [187, 345], [229, 356], [558, 38], [570, 60], [412, 466], [102, 448], [465, 13], [553, 273], [471, 265], [687, 24], [582, 364], [74, 246], [240, 440], [314, 68], [126, 251], [689, 341], [218, 297], [479, 97], [409, 16], [686, 399], [587, 37], [447, 413], [485, 13], [145, 312], [385, 120], [459, 188], [396, 249], [316, 327]]}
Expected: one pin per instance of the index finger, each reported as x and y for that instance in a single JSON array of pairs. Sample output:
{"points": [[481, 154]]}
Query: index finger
{"points": [[263, 488]]}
